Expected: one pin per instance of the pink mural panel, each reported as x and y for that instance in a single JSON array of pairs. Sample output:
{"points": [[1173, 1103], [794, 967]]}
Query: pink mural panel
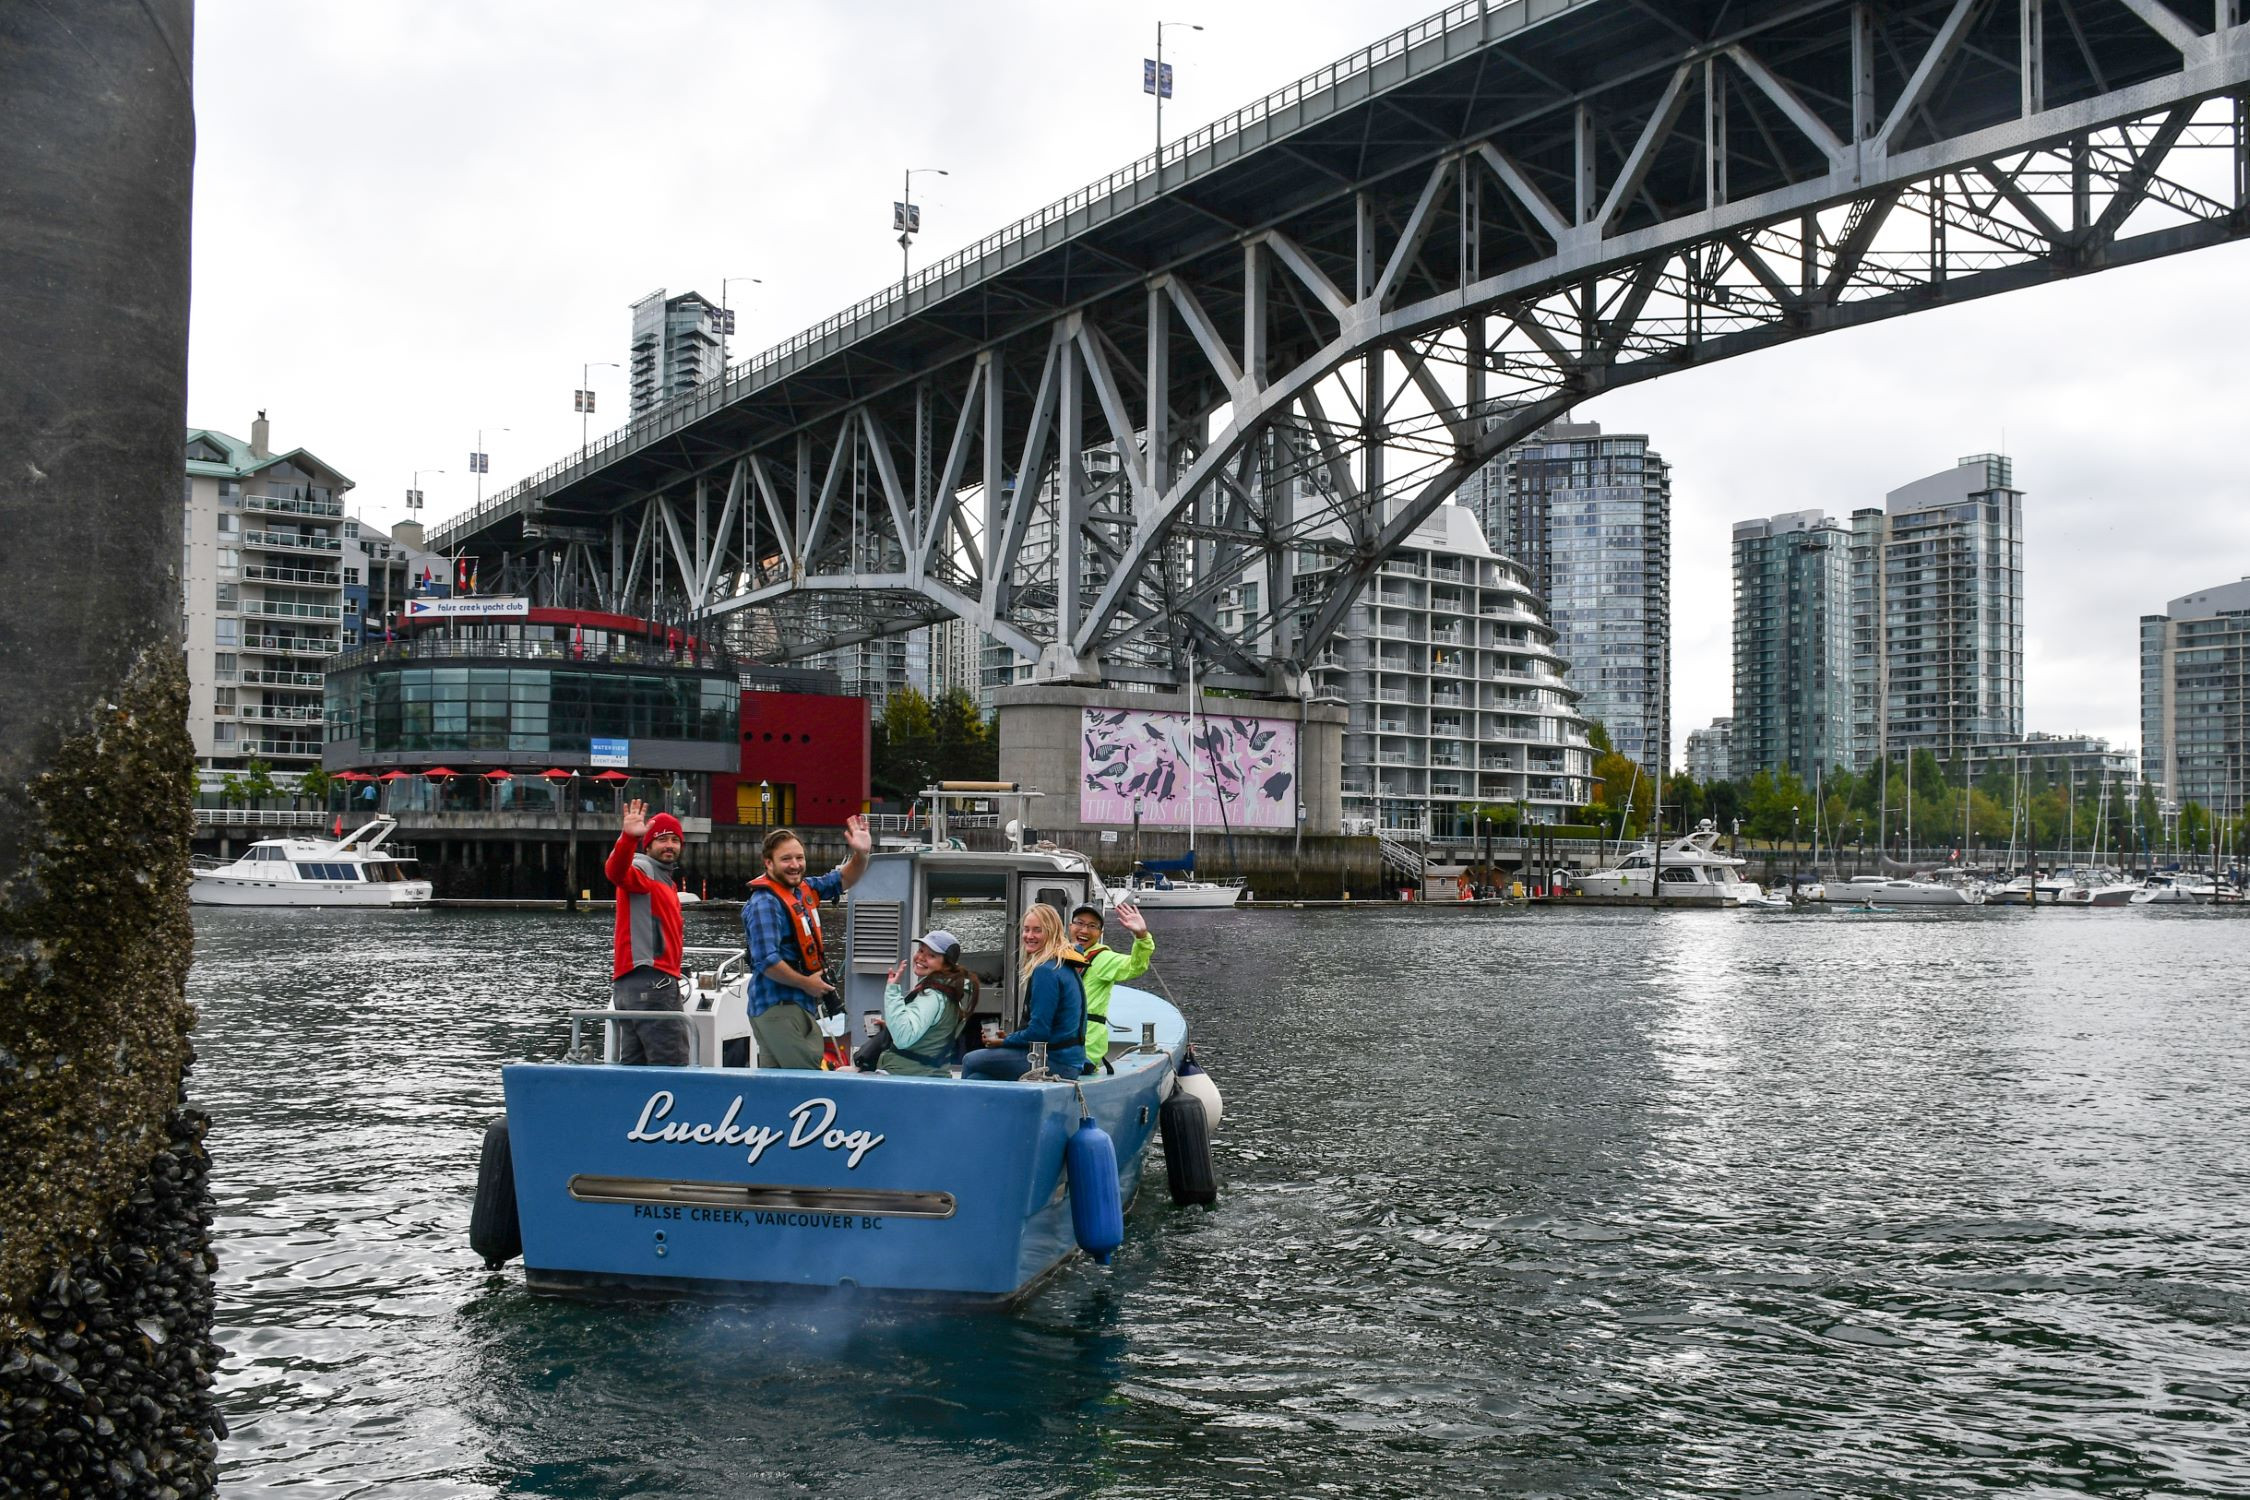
{"points": [[1245, 769]]}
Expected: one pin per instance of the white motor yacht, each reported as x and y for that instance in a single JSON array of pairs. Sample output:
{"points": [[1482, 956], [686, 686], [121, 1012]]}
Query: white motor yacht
{"points": [[2099, 888], [1689, 866], [2167, 888], [351, 871], [2034, 890], [1887, 890]]}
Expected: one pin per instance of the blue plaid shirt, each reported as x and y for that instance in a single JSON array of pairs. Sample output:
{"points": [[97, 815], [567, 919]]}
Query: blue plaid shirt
{"points": [[771, 938]]}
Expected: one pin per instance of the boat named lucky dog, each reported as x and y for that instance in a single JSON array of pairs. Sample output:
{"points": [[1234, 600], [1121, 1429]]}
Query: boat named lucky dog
{"points": [[718, 1180]]}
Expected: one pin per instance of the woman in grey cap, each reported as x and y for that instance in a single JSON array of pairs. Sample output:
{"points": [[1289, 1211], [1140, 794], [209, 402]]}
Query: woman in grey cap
{"points": [[923, 1022]]}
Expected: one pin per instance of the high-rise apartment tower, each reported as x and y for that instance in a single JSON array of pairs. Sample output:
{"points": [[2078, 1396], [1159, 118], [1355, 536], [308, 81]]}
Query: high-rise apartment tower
{"points": [[1588, 515], [676, 347], [1792, 644], [2195, 698]]}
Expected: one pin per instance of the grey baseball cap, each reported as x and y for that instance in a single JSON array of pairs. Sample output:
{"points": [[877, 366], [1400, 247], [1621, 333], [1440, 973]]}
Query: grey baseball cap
{"points": [[942, 943]]}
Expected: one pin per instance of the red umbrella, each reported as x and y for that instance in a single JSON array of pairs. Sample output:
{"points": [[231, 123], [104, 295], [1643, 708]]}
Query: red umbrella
{"points": [[353, 776], [498, 776], [439, 773], [392, 776], [556, 773], [611, 776]]}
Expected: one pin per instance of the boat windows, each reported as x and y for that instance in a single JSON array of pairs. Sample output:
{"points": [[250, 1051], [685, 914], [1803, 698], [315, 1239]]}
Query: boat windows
{"points": [[326, 871], [973, 906], [1678, 875]]}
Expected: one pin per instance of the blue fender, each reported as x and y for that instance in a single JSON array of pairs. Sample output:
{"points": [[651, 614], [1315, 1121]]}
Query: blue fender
{"points": [[1096, 1213]]}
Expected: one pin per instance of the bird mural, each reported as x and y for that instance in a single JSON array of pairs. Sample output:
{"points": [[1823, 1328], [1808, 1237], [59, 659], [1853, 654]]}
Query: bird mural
{"points": [[1242, 770]]}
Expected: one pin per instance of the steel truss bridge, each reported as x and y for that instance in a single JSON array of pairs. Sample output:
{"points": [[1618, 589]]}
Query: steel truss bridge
{"points": [[1270, 351]]}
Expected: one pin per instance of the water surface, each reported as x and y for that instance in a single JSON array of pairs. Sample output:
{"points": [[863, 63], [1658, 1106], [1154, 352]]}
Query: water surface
{"points": [[1596, 1202]]}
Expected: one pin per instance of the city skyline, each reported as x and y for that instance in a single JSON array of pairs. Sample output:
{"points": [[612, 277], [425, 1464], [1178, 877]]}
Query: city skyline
{"points": [[443, 134]]}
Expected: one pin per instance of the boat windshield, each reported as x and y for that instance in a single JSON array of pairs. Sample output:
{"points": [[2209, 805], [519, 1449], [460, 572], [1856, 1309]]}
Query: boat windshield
{"points": [[973, 906]]}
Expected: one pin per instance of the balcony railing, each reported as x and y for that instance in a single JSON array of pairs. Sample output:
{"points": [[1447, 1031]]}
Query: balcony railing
{"points": [[293, 577], [275, 609], [294, 749], [286, 506], [290, 542], [270, 714], [258, 677], [292, 645]]}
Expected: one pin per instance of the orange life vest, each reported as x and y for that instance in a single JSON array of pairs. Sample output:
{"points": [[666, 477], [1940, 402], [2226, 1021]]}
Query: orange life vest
{"points": [[803, 906]]}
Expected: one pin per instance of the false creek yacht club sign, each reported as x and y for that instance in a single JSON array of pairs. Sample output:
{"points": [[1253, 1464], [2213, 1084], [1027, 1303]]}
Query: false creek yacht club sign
{"points": [[468, 609], [812, 1123]]}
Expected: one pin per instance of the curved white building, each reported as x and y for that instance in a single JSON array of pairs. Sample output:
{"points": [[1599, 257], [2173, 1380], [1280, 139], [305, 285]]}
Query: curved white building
{"points": [[1456, 694]]}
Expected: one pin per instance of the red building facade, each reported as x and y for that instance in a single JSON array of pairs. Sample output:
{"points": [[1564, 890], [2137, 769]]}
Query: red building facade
{"points": [[810, 751]]}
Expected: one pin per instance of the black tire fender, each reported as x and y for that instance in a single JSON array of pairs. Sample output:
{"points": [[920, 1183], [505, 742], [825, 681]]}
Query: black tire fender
{"points": [[494, 1231]]}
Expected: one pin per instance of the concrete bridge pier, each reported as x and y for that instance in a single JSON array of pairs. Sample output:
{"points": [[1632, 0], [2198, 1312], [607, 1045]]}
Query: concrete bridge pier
{"points": [[106, 1359]]}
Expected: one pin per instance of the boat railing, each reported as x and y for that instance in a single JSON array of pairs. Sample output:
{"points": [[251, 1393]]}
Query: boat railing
{"points": [[610, 1018], [733, 963], [259, 817]]}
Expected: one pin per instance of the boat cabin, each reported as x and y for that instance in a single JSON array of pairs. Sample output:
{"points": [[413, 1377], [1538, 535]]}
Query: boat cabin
{"points": [[978, 897]]}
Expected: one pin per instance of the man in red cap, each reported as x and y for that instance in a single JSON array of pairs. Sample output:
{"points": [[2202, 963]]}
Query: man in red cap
{"points": [[645, 967]]}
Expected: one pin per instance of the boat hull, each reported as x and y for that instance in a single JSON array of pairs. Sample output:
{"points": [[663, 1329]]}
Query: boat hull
{"points": [[725, 1182], [209, 890], [1177, 897], [1912, 893]]}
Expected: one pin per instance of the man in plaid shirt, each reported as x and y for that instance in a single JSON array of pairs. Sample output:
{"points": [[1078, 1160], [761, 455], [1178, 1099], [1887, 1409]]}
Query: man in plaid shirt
{"points": [[782, 936]]}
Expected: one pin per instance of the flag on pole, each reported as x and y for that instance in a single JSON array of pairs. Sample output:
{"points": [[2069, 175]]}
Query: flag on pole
{"points": [[472, 578], [1156, 78]]}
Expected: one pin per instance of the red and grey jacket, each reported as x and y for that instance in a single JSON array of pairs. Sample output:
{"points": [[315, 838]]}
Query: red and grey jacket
{"points": [[649, 933]]}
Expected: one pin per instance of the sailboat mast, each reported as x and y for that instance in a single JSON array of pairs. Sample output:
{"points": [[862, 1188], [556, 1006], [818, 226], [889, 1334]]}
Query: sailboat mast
{"points": [[1191, 762], [1883, 811]]}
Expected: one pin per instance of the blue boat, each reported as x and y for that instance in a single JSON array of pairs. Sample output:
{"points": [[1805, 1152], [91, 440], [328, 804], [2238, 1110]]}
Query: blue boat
{"points": [[728, 1181]]}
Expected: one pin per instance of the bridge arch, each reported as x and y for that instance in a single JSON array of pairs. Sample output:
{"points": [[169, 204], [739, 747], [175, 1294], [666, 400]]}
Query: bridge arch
{"points": [[1342, 310]]}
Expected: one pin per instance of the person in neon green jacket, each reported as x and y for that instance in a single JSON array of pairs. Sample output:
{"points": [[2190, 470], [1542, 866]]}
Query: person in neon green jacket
{"points": [[1104, 968]]}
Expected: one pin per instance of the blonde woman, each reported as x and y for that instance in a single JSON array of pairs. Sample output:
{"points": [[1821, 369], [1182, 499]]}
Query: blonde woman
{"points": [[1054, 1007]]}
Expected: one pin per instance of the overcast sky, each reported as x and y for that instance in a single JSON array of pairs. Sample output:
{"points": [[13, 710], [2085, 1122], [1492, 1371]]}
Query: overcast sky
{"points": [[414, 220]]}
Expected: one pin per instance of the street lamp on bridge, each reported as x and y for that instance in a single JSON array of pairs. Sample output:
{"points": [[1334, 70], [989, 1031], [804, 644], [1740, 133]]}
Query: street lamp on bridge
{"points": [[414, 494], [907, 219], [1156, 78], [480, 462], [726, 316], [583, 400]]}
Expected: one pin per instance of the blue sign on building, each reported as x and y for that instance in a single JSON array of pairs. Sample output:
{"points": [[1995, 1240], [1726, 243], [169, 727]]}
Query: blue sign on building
{"points": [[610, 755]]}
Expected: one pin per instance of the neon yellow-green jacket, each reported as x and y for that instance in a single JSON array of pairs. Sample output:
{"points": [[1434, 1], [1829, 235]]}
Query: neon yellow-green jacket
{"points": [[1103, 972]]}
